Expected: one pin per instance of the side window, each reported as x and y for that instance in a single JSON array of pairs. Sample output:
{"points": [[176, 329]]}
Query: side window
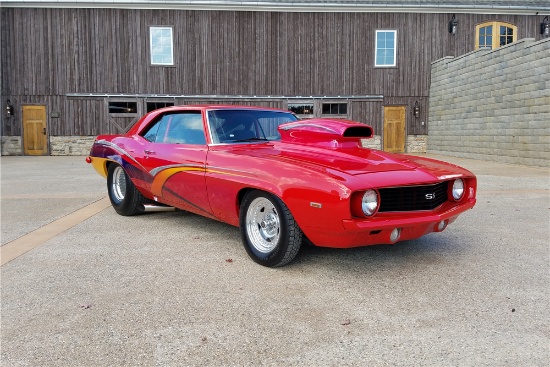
{"points": [[161, 43], [386, 49], [177, 128], [151, 133], [491, 35], [185, 128], [156, 132]]}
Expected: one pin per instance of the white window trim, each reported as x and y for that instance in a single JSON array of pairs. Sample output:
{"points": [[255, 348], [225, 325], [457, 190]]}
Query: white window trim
{"points": [[151, 28], [394, 31]]}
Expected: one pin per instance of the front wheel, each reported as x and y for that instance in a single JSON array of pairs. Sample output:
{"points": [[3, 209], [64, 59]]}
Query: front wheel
{"points": [[269, 232], [124, 196]]}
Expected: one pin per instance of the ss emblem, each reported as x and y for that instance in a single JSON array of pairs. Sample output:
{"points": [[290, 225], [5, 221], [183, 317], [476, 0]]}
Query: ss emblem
{"points": [[430, 196]]}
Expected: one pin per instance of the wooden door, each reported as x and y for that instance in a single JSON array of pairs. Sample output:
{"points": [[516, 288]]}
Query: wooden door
{"points": [[35, 140], [394, 129]]}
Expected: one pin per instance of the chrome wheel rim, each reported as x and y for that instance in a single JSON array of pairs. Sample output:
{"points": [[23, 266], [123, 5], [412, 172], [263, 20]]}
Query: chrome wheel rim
{"points": [[119, 184], [263, 225]]}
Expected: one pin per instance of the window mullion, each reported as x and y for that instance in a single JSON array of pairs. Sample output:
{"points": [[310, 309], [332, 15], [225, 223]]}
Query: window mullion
{"points": [[496, 35]]}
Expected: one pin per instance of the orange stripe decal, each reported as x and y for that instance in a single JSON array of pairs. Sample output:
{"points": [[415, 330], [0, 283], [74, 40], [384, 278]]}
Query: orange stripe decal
{"points": [[163, 176]]}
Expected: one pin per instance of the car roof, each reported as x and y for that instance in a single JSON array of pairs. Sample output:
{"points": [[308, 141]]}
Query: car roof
{"points": [[147, 118], [227, 107]]}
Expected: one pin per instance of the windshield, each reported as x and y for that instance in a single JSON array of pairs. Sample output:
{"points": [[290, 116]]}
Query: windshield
{"points": [[232, 126]]}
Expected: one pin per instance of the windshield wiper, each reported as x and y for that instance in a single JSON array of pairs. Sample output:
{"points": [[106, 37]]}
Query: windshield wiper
{"points": [[249, 139]]}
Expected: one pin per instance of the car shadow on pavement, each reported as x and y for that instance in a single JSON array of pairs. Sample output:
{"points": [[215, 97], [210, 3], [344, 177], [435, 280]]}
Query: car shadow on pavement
{"points": [[431, 250]]}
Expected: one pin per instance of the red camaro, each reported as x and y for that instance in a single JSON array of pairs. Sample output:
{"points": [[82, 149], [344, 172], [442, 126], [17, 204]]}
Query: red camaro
{"points": [[280, 179]]}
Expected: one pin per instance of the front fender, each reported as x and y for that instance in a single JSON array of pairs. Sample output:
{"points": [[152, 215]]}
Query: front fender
{"points": [[316, 198]]}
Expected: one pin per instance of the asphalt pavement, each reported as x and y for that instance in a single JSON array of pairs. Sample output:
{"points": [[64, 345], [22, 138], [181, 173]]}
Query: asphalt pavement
{"points": [[176, 289]]}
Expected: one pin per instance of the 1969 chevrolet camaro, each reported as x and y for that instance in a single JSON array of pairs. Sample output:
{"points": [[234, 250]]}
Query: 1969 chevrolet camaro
{"points": [[280, 179]]}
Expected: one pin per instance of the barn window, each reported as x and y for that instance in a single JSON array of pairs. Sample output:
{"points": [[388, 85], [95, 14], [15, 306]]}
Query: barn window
{"points": [[302, 109], [386, 49], [335, 109], [122, 107], [161, 46], [151, 106], [491, 35]]}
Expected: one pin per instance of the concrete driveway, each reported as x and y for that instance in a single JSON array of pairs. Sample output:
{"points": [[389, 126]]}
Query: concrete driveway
{"points": [[176, 289]]}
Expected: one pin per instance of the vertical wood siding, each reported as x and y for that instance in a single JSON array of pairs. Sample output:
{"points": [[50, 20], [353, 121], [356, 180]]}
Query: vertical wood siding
{"points": [[368, 112], [47, 53]]}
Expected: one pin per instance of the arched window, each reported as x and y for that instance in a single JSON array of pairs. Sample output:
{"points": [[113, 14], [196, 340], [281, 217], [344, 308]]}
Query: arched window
{"points": [[490, 35]]}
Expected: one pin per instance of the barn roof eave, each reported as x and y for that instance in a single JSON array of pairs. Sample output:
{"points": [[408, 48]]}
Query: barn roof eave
{"points": [[465, 6]]}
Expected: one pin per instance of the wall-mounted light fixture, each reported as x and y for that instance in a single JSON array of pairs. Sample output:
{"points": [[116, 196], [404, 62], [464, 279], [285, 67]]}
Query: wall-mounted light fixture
{"points": [[545, 27], [416, 110], [9, 109], [453, 25]]}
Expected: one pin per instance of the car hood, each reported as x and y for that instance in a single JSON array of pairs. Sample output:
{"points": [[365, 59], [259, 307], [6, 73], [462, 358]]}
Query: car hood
{"points": [[363, 161], [338, 145]]}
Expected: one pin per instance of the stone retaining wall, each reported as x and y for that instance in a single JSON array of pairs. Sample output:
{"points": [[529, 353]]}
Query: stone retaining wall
{"points": [[71, 145], [417, 143], [11, 145], [493, 104], [373, 143], [59, 145]]}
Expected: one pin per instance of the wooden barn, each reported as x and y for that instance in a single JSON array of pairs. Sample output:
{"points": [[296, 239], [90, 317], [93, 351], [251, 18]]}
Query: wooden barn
{"points": [[71, 70]]}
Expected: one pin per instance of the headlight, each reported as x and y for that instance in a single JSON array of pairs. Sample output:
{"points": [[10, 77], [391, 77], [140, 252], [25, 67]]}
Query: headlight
{"points": [[369, 204], [458, 189]]}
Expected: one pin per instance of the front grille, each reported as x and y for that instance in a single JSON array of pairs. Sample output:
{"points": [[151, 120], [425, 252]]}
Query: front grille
{"points": [[411, 198]]}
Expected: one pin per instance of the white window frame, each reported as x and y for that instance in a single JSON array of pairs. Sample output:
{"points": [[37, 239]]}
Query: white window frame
{"points": [[394, 48], [152, 47]]}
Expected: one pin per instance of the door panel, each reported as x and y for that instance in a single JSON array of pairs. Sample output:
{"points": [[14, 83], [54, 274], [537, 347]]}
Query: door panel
{"points": [[394, 129], [178, 171], [173, 150], [35, 140]]}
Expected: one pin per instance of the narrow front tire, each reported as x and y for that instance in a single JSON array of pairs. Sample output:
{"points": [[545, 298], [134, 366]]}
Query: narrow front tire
{"points": [[269, 232]]}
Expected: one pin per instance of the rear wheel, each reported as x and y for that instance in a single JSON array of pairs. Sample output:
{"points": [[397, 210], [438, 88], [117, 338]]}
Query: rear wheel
{"points": [[124, 196], [269, 232]]}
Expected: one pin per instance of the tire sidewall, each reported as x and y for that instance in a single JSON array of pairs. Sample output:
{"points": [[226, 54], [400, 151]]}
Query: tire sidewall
{"points": [[122, 207], [274, 257]]}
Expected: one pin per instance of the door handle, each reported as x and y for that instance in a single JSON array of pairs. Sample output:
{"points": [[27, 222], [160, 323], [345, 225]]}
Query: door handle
{"points": [[149, 151], [44, 131]]}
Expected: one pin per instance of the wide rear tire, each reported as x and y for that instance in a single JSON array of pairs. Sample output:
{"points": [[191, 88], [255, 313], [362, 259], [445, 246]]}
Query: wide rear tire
{"points": [[269, 232], [124, 196]]}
